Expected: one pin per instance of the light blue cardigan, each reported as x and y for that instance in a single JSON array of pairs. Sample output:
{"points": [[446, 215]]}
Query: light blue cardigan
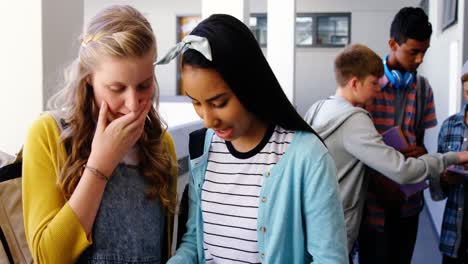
{"points": [[300, 221]]}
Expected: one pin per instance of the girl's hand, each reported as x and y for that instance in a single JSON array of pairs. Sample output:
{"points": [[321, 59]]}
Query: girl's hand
{"points": [[113, 140]]}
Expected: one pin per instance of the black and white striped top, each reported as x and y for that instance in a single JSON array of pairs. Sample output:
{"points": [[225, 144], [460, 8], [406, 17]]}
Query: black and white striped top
{"points": [[230, 196]]}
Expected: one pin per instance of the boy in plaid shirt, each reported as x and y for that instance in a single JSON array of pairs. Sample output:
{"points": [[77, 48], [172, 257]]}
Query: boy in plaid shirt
{"points": [[453, 136]]}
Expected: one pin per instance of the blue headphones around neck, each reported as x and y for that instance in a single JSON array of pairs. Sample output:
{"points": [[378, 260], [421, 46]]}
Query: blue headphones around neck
{"points": [[396, 78]]}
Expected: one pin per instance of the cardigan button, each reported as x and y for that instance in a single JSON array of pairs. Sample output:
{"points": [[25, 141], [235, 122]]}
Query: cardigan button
{"points": [[267, 174], [264, 199], [263, 229], [262, 255]]}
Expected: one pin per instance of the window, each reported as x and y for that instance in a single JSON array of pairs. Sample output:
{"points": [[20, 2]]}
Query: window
{"points": [[332, 30], [304, 31], [258, 26], [449, 17], [185, 25], [312, 29], [424, 4]]}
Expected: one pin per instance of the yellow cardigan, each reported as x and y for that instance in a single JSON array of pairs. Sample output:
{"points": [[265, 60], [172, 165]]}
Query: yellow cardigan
{"points": [[53, 231]]}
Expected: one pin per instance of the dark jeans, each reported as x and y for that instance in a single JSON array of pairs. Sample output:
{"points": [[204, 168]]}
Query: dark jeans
{"points": [[394, 245], [462, 256], [459, 260]]}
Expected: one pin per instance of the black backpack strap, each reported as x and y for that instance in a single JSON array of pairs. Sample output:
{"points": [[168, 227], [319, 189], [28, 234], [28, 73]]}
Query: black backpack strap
{"points": [[421, 96], [58, 117], [10, 171], [14, 170], [183, 216], [196, 147], [197, 143]]}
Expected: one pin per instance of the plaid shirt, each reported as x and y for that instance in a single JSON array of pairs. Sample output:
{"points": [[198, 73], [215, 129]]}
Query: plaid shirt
{"points": [[383, 111], [451, 137]]}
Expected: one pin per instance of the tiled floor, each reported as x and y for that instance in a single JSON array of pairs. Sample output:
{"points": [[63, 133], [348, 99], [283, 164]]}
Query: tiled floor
{"points": [[426, 250], [427, 244]]}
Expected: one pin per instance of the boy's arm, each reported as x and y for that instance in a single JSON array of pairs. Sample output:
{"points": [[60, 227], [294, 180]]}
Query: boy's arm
{"points": [[361, 139], [414, 151]]}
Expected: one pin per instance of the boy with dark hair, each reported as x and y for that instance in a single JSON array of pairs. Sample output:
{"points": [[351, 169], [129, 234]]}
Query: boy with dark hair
{"points": [[353, 141], [389, 228], [452, 137]]}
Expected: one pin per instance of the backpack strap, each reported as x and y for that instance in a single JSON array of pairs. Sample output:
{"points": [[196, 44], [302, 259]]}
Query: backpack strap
{"points": [[196, 146], [59, 119], [421, 95], [14, 169], [197, 143], [10, 171], [12, 234]]}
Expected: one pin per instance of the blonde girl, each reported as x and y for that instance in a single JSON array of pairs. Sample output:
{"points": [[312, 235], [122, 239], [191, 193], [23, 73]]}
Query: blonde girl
{"points": [[99, 184]]}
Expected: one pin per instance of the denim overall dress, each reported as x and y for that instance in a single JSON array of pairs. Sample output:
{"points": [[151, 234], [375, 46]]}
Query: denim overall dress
{"points": [[128, 227]]}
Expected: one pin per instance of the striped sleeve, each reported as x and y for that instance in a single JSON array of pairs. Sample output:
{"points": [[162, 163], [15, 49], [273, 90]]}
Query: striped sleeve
{"points": [[430, 119]]}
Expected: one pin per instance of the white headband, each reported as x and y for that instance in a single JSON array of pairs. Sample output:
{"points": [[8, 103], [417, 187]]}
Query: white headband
{"points": [[197, 43]]}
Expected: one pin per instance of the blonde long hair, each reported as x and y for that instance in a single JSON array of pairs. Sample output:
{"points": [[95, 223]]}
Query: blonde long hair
{"points": [[117, 31]]}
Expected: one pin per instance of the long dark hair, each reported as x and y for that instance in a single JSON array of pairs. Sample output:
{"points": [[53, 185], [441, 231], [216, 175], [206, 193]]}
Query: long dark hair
{"points": [[239, 60]]}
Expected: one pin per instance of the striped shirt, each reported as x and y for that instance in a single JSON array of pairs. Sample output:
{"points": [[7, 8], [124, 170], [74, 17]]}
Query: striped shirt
{"points": [[384, 115], [230, 196]]}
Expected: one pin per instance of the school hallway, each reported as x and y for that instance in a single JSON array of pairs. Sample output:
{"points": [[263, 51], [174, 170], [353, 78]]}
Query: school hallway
{"points": [[427, 244], [426, 250]]}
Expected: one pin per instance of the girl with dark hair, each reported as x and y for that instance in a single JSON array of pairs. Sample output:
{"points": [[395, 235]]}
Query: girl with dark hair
{"points": [[264, 187]]}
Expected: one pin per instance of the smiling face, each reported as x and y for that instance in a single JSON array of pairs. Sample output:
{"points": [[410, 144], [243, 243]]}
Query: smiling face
{"points": [[220, 109], [123, 83]]}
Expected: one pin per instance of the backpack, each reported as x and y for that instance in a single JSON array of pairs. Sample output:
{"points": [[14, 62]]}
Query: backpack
{"points": [[14, 247], [196, 144]]}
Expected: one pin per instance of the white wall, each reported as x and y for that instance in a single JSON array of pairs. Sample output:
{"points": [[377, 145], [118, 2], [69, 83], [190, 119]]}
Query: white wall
{"points": [[370, 22], [239, 9], [370, 25], [162, 16], [62, 24], [437, 68], [21, 70], [34, 50], [281, 39]]}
